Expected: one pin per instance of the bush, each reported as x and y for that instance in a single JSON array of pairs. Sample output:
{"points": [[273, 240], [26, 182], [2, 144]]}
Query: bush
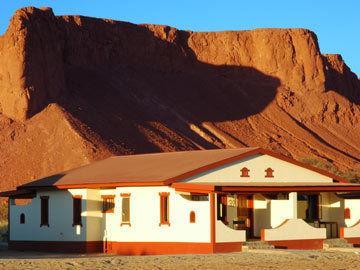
{"points": [[3, 211], [3, 231], [352, 175], [3, 221]]}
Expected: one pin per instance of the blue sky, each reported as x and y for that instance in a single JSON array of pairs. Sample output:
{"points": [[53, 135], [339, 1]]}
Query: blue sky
{"points": [[337, 23]]}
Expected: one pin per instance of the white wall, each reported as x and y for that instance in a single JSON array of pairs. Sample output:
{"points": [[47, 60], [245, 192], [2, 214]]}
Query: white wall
{"points": [[257, 164], [294, 229], [352, 231], [60, 218], [354, 206], [145, 218], [94, 215], [97, 226], [283, 209], [262, 214]]}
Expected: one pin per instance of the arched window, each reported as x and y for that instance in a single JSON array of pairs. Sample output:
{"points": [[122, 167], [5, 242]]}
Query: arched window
{"points": [[244, 172], [192, 217], [269, 172], [22, 218]]}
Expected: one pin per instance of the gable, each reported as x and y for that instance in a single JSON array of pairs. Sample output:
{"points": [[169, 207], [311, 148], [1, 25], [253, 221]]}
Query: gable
{"points": [[283, 172]]}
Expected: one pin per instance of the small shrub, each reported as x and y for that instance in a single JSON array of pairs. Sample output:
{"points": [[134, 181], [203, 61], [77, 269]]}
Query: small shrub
{"points": [[3, 231], [352, 175], [3, 210]]}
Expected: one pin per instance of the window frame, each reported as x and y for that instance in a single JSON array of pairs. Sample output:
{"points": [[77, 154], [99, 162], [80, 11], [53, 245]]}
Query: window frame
{"points": [[77, 212], [104, 198], [44, 213], [125, 196], [269, 173], [164, 219], [192, 217], [245, 172]]}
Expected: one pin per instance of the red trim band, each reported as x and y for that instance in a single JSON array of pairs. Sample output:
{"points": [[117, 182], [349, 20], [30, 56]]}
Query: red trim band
{"points": [[58, 246], [298, 244]]}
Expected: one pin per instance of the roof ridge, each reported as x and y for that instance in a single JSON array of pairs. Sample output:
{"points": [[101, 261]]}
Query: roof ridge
{"points": [[186, 151]]}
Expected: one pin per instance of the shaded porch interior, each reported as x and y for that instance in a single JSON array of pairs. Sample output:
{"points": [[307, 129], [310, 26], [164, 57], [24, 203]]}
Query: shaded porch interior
{"points": [[253, 212]]}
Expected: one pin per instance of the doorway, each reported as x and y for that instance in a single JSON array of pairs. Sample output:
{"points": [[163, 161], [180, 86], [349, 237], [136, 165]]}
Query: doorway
{"points": [[237, 212], [245, 214]]}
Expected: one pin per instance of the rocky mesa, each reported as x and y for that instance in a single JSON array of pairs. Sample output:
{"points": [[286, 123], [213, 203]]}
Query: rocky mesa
{"points": [[75, 89]]}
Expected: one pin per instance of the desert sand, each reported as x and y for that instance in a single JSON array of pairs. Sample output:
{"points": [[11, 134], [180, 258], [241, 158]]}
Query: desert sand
{"points": [[335, 259]]}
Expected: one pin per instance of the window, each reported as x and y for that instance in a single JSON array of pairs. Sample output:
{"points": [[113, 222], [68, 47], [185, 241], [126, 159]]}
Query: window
{"points": [[199, 198], [22, 218], [245, 172], [164, 208], [77, 210], [125, 208], [269, 172], [44, 204], [108, 203], [192, 217]]}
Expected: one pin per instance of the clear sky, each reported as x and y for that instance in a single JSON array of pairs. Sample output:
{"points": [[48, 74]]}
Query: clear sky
{"points": [[336, 23]]}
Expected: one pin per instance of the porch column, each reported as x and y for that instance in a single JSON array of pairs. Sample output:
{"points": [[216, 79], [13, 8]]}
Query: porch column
{"points": [[293, 202]]}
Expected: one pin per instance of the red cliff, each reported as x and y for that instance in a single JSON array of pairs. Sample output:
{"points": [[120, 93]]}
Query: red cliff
{"points": [[116, 87]]}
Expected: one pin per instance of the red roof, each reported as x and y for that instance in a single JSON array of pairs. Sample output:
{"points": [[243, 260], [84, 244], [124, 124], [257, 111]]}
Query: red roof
{"points": [[154, 169]]}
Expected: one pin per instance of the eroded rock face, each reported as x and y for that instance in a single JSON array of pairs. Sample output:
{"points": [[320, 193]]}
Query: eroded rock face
{"points": [[146, 88], [32, 53]]}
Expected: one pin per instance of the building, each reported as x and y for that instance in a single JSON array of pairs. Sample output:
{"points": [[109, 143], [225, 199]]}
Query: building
{"points": [[202, 201]]}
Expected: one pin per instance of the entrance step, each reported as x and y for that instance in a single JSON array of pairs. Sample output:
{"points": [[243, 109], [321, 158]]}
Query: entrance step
{"points": [[337, 242], [257, 245]]}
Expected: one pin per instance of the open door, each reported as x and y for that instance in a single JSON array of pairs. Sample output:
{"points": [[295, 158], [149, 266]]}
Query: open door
{"points": [[245, 212]]}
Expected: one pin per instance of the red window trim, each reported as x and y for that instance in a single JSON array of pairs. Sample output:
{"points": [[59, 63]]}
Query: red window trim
{"points": [[245, 172], [77, 197], [164, 195], [107, 196], [269, 173], [192, 217], [42, 211]]}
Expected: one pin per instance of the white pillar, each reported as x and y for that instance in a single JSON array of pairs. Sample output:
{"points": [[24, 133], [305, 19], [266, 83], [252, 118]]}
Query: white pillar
{"points": [[293, 203]]}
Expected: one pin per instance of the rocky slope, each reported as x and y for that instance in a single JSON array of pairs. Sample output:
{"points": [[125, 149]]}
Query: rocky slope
{"points": [[75, 89]]}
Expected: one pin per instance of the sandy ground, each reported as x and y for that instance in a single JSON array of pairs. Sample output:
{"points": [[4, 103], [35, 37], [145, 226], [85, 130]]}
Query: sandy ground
{"points": [[258, 259]]}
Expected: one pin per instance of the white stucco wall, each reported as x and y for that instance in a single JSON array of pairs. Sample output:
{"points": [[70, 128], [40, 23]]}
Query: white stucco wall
{"points": [[145, 218], [257, 164], [60, 218], [352, 231], [262, 214], [97, 226], [294, 229], [283, 209], [94, 216], [354, 206], [225, 234]]}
